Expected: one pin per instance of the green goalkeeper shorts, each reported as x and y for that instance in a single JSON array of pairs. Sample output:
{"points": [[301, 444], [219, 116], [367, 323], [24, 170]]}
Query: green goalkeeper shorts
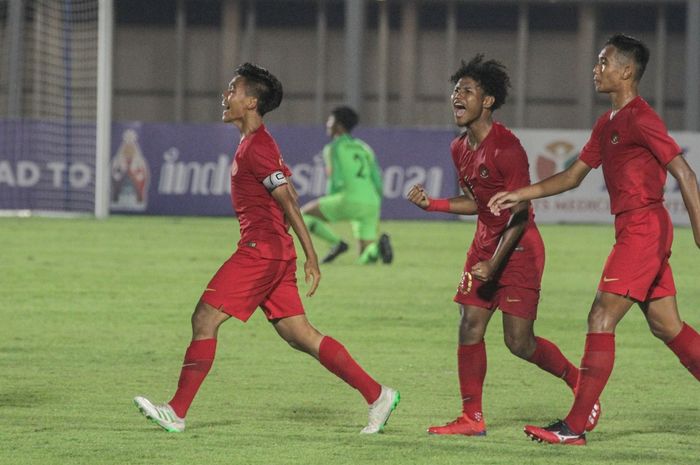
{"points": [[363, 217]]}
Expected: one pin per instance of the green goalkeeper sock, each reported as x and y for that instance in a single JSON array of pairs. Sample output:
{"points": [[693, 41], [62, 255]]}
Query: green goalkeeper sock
{"points": [[320, 228], [370, 254]]}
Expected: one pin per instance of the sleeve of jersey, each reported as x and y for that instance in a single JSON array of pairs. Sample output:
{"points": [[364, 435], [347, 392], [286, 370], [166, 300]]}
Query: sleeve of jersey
{"points": [[336, 170], [514, 167], [590, 153], [268, 167], [375, 173], [654, 135]]}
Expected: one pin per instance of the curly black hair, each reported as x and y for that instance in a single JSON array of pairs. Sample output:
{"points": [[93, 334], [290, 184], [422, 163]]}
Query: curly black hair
{"points": [[491, 75], [346, 116], [263, 85], [631, 48]]}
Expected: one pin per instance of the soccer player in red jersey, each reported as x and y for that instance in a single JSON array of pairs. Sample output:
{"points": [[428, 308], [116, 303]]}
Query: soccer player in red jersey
{"points": [[632, 144], [506, 259], [262, 271]]}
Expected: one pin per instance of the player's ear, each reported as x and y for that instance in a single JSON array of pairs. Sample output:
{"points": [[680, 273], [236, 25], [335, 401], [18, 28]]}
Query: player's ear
{"points": [[488, 101], [628, 71], [251, 102]]}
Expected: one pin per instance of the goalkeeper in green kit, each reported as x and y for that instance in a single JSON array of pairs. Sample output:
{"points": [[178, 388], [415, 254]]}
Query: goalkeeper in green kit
{"points": [[354, 193]]}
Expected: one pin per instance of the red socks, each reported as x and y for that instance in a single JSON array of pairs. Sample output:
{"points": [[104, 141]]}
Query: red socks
{"points": [[471, 367], [198, 360], [686, 346], [596, 366], [338, 361], [548, 357]]}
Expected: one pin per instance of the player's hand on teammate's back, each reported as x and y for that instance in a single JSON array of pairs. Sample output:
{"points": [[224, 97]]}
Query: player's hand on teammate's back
{"points": [[313, 273], [418, 196], [502, 201], [483, 271]]}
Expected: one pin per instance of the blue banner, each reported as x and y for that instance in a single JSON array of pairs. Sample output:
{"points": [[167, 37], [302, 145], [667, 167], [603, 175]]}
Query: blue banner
{"points": [[184, 169]]}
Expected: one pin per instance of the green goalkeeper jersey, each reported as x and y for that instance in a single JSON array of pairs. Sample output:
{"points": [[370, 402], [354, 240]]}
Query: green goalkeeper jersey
{"points": [[353, 169]]}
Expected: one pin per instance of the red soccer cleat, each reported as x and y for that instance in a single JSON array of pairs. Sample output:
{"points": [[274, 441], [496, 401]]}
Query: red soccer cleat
{"points": [[462, 425], [556, 433]]}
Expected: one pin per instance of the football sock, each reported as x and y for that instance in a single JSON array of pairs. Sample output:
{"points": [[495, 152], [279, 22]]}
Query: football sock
{"points": [[548, 357], [333, 355], [198, 360], [370, 254], [321, 229], [686, 346], [471, 368], [596, 366]]}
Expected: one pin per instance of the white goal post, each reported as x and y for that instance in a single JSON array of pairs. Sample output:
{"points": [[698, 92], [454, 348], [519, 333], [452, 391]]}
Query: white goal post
{"points": [[55, 106]]}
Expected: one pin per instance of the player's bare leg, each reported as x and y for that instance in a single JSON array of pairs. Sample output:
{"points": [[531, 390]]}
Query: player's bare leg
{"points": [[472, 324], [206, 321], [519, 336], [607, 311], [298, 332], [662, 317], [666, 324], [301, 335]]}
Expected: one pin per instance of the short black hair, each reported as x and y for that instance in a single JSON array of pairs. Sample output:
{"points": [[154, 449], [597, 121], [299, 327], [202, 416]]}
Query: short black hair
{"points": [[631, 48], [346, 116], [491, 75], [263, 85]]}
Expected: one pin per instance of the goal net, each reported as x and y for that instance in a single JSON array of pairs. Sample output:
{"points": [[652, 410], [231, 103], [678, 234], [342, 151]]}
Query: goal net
{"points": [[48, 105]]}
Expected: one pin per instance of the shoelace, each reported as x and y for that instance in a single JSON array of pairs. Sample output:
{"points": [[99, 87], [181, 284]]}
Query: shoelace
{"points": [[555, 423]]}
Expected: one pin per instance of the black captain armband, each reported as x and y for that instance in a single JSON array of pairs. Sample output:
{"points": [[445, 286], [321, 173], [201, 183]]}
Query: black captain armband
{"points": [[274, 181]]}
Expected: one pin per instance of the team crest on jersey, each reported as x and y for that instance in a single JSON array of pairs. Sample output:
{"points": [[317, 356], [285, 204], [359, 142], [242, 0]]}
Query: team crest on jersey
{"points": [[234, 167], [615, 138], [465, 284], [483, 171]]}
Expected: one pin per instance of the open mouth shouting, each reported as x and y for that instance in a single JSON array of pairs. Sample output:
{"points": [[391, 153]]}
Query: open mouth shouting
{"points": [[458, 109]]}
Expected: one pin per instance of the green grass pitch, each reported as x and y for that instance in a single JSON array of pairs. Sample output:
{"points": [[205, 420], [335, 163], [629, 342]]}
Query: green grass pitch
{"points": [[96, 312]]}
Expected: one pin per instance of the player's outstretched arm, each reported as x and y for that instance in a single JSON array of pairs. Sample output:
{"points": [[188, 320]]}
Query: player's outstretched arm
{"points": [[460, 205], [563, 181], [285, 196], [688, 183]]}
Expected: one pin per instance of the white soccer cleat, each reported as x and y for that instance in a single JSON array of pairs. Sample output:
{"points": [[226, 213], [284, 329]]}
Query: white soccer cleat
{"points": [[162, 415], [380, 410]]}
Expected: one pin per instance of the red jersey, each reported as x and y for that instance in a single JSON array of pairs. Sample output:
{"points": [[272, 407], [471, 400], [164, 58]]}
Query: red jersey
{"points": [[262, 221], [634, 148], [499, 164]]}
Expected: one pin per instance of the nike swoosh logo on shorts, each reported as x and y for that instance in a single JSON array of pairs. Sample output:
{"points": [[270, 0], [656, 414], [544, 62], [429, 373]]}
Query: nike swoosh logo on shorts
{"points": [[508, 299], [607, 280]]}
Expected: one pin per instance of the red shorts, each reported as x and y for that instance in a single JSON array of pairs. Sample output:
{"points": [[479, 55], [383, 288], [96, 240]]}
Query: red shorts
{"points": [[247, 281], [515, 300], [638, 264]]}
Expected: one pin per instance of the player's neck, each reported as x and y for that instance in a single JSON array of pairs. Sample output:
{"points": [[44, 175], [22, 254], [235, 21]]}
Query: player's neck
{"points": [[477, 132], [249, 123], [623, 97]]}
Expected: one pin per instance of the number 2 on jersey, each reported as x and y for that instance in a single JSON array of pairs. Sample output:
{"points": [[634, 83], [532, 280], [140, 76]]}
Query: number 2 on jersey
{"points": [[361, 172]]}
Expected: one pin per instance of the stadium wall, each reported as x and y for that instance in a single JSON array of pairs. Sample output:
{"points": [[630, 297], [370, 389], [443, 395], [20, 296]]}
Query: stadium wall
{"points": [[145, 75], [183, 169]]}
